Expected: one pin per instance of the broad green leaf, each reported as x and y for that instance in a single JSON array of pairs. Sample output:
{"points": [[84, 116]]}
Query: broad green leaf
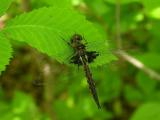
{"points": [[4, 4], [49, 30], [5, 52], [147, 111]]}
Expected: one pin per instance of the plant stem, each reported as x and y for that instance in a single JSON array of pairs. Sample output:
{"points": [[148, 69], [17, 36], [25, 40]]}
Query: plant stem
{"points": [[150, 72], [118, 25]]}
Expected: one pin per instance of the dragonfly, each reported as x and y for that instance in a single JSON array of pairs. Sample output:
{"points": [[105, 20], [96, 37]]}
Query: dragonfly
{"points": [[83, 57]]}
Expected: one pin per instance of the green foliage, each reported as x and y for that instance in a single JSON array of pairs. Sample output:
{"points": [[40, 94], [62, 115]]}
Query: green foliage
{"points": [[5, 51], [150, 59], [133, 95], [125, 92], [154, 44], [110, 86], [19, 109], [42, 3], [4, 4], [146, 84], [96, 4], [150, 5], [122, 1], [147, 111], [62, 3], [53, 29], [23, 108]]}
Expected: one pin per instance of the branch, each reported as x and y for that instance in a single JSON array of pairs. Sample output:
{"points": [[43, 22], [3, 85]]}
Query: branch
{"points": [[3, 19], [153, 74], [48, 90], [45, 65], [26, 5], [118, 25]]}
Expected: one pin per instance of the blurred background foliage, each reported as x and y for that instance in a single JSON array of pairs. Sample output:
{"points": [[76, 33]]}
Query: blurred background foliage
{"points": [[28, 92]]}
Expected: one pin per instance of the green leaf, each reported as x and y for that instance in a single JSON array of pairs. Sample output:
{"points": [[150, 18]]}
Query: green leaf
{"points": [[49, 30], [148, 111], [5, 52], [4, 4]]}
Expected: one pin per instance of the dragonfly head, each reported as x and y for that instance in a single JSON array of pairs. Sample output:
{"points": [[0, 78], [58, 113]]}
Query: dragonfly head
{"points": [[76, 38]]}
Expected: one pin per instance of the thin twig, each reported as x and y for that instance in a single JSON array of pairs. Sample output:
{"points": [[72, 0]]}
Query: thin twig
{"points": [[118, 25], [48, 91], [3, 19], [48, 83], [26, 5], [153, 74]]}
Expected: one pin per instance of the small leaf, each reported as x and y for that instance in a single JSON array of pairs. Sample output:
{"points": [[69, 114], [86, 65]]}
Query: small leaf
{"points": [[5, 52], [49, 30], [4, 4]]}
